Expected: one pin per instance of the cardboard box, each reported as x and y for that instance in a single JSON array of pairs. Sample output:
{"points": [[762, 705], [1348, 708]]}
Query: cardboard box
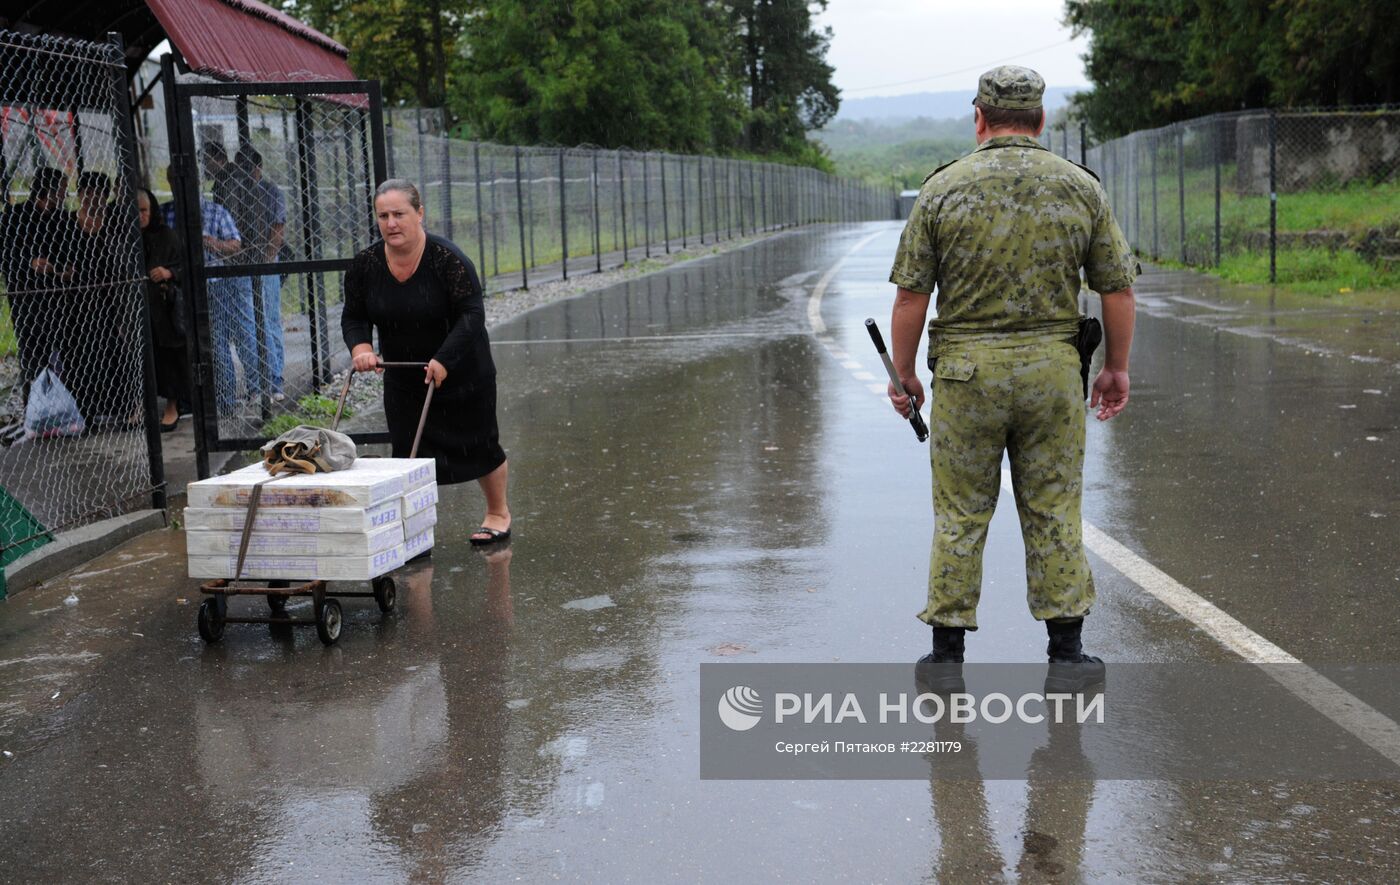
{"points": [[305, 568], [370, 482], [419, 543], [296, 543], [419, 523], [296, 519], [420, 499]]}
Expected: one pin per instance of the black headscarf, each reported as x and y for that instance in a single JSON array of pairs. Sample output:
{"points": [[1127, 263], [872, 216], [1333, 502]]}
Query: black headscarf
{"points": [[157, 221]]}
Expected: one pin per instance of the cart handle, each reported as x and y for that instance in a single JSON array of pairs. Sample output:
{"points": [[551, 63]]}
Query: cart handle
{"points": [[427, 400]]}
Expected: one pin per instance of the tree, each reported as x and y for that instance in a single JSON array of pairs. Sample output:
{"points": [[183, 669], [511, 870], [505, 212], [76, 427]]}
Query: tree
{"points": [[784, 67], [405, 44], [1136, 60], [1156, 61], [640, 73]]}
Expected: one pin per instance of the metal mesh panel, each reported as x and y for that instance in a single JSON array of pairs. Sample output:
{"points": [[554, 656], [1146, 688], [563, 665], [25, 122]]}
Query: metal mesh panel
{"points": [[279, 180], [72, 334], [1306, 191]]}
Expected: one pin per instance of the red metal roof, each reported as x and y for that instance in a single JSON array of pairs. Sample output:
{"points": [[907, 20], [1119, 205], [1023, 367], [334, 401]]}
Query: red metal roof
{"points": [[249, 41]]}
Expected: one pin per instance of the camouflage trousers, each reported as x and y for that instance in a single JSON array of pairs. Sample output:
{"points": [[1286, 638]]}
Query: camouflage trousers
{"points": [[1018, 393]]}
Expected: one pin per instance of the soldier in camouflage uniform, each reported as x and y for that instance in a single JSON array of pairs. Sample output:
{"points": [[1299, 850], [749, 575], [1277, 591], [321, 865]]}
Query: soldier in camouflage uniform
{"points": [[1002, 235]]}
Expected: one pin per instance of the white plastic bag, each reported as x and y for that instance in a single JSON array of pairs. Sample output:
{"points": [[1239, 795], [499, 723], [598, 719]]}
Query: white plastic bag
{"points": [[51, 410]]}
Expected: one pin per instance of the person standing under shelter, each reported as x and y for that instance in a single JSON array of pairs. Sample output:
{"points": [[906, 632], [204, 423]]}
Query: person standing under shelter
{"points": [[1002, 234], [36, 237], [230, 303], [264, 232]]}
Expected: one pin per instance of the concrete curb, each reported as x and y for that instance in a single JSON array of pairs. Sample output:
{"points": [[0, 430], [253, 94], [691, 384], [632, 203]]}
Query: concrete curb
{"points": [[72, 549]]}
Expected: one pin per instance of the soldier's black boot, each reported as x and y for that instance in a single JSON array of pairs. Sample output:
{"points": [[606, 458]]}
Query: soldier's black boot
{"points": [[1071, 670], [940, 671]]}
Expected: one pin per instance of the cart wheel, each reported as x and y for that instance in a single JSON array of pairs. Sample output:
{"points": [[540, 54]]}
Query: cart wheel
{"points": [[328, 622], [210, 620], [385, 593]]}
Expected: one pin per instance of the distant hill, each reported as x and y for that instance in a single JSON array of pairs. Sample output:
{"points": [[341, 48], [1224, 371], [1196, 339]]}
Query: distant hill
{"points": [[937, 105]]}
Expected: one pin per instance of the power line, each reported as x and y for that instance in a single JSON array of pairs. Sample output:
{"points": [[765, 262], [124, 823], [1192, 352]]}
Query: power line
{"points": [[979, 68]]}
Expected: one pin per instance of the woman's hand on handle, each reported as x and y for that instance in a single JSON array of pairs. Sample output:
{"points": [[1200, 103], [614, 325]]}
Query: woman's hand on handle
{"points": [[435, 373], [365, 359]]}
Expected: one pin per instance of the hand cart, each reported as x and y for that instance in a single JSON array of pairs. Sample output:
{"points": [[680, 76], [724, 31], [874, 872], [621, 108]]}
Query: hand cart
{"points": [[326, 616]]}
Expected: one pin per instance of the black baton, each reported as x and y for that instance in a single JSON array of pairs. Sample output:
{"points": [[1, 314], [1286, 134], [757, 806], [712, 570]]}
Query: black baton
{"points": [[915, 419]]}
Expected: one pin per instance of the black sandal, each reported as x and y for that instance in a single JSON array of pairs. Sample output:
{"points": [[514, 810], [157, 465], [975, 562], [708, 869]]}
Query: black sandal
{"points": [[496, 537]]}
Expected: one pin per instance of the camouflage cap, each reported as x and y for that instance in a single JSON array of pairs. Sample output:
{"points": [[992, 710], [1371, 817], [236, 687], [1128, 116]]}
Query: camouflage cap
{"points": [[1011, 87]]}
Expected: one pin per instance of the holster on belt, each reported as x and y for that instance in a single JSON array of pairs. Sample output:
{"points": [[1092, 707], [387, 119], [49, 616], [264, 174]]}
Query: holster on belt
{"points": [[1086, 341]]}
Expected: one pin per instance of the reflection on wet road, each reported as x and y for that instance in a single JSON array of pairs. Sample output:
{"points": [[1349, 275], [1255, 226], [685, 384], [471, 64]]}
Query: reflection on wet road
{"points": [[696, 478]]}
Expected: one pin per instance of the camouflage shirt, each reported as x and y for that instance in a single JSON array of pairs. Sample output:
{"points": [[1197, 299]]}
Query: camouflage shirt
{"points": [[1002, 234]]}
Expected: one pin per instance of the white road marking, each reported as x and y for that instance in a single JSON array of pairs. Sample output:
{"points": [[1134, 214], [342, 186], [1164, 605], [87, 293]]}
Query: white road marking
{"points": [[1363, 721], [1366, 723], [814, 301], [103, 571]]}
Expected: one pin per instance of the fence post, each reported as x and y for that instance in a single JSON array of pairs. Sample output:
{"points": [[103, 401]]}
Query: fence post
{"points": [[1273, 195], [597, 226], [729, 197], [311, 224], [684, 221], [563, 216], [753, 197], [1083, 145], [1156, 252], [1215, 140], [1181, 184], [700, 195], [422, 151], [447, 185], [763, 194], [646, 205], [480, 215], [665, 208], [495, 219], [622, 202], [520, 221], [388, 138], [714, 193], [530, 211], [127, 182], [1131, 173]]}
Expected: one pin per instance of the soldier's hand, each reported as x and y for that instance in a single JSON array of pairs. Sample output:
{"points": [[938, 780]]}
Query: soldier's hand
{"points": [[914, 388], [1110, 394]]}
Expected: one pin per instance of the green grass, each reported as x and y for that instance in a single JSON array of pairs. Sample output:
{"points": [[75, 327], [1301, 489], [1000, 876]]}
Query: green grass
{"points": [[1318, 272], [1352, 210], [313, 408], [8, 347]]}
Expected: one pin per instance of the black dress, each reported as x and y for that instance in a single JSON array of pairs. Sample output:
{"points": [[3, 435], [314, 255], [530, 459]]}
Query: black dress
{"points": [[163, 249], [435, 314]]}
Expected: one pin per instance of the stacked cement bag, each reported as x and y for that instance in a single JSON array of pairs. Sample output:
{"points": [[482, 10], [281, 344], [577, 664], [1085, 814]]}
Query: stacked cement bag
{"points": [[353, 524]]}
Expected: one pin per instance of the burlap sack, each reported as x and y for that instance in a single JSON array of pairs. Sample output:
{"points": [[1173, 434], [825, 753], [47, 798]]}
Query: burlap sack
{"points": [[307, 449]]}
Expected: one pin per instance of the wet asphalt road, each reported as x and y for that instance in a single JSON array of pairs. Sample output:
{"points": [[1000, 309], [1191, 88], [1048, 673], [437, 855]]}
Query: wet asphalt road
{"points": [[695, 478]]}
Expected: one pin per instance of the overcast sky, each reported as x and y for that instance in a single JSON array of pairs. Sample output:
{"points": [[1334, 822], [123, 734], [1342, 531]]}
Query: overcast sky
{"points": [[879, 43]]}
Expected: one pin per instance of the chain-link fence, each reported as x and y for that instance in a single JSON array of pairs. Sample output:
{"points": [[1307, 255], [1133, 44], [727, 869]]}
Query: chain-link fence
{"points": [[274, 185], [74, 445], [529, 214], [1067, 138], [1293, 195], [293, 176]]}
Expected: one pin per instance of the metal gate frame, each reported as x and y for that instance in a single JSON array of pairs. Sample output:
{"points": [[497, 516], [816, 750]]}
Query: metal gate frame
{"points": [[186, 186]]}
